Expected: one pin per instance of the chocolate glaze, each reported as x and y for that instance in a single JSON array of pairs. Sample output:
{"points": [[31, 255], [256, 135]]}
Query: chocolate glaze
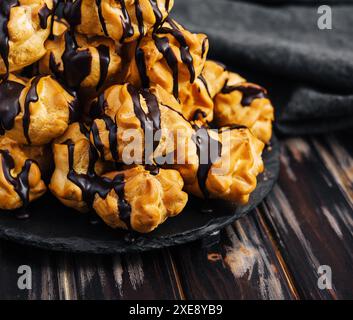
{"points": [[199, 114], [184, 48], [150, 122], [97, 112], [204, 42], [5, 8], [32, 96], [44, 14], [77, 63], [101, 18], [128, 30], [141, 67], [104, 61], [157, 13], [92, 184], [203, 143], [204, 81], [10, 92], [164, 47], [250, 93], [20, 183]]}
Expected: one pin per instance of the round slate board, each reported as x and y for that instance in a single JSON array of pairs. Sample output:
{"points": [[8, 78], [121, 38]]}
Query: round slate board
{"points": [[55, 227]]}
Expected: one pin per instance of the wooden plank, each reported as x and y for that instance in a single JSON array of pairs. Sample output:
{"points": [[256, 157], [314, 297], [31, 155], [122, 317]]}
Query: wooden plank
{"points": [[44, 280], [310, 217], [245, 264], [78, 276]]}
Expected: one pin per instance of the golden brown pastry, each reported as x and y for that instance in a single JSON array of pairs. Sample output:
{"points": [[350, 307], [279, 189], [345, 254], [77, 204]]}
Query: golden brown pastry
{"points": [[76, 164], [20, 177], [196, 98], [169, 57], [134, 198], [121, 20], [25, 25], [34, 111], [80, 61], [244, 103], [141, 200], [180, 144]]}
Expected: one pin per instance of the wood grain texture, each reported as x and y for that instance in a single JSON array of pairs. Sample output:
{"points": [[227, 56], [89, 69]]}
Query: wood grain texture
{"points": [[310, 214], [244, 265]]}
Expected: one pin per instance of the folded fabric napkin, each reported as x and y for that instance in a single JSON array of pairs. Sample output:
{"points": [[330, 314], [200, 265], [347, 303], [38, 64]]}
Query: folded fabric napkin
{"points": [[307, 71]]}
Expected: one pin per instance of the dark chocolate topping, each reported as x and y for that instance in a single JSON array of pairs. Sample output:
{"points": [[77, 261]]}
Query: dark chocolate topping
{"points": [[10, 92], [250, 92], [104, 61], [101, 18], [44, 14], [92, 184], [204, 142], [150, 122], [32, 96], [77, 63], [20, 183], [5, 9]]}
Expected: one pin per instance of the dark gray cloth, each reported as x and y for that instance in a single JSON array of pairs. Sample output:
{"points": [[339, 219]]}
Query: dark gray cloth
{"points": [[308, 71]]}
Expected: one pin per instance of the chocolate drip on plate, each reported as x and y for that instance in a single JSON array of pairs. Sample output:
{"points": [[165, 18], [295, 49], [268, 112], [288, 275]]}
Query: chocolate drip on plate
{"points": [[5, 9], [204, 142], [10, 92], [250, 92], [104, 61], [44, 14], [32, 96], [20, 183]]}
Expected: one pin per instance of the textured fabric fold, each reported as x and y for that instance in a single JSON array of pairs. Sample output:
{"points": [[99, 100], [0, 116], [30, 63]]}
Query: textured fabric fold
{"points": [[308, 71]]}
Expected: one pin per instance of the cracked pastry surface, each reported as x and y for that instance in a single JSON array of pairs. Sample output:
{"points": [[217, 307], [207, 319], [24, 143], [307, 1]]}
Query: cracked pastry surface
{"points": [[124, 107], [80, 61], [169, 57], [25, 25], [34, 111], [20, 177], [244, 103], [134, 198]]}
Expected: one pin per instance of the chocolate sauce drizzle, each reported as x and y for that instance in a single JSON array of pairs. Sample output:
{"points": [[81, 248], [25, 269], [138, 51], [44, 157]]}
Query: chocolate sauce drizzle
{"points": [[10, 92], [203, 142], [101, 18], [92, 184], [5, 9], [250, 93], [204, 81], [44, 14], [128, 30], [77, 63], [104, 61], [20, 183], [32, 96], [150, 122], [97, 112], [163, 46]]}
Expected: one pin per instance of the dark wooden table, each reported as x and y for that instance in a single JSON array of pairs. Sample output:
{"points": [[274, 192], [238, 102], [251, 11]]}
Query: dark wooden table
{"points": [[273, 253]]}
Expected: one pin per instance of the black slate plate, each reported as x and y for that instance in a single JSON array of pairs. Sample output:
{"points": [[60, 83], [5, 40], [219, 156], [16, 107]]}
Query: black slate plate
{"points": [[55, 227]]}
